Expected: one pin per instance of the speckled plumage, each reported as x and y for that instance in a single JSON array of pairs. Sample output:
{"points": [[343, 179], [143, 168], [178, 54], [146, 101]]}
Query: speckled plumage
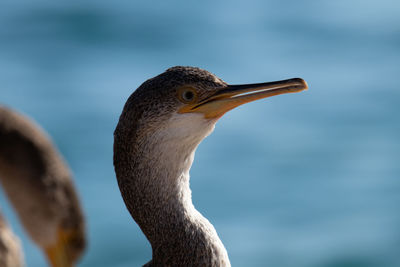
{"points": [[38, 183], [160, 127], [153, 151]]}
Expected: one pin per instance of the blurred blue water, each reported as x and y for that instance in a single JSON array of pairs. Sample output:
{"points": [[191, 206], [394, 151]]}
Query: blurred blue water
{"points": [[308, 179]]}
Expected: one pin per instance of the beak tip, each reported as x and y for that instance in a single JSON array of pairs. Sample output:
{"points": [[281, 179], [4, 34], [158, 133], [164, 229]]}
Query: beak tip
{"points": [[301, 83], [305, 84]]}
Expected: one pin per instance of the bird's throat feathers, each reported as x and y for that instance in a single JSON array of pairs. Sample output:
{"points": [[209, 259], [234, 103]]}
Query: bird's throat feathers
{"points": [[168, 153], [173, 147]]}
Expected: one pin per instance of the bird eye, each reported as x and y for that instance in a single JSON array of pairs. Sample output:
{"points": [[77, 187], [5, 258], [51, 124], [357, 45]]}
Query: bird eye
{"points": [[187, 95]]}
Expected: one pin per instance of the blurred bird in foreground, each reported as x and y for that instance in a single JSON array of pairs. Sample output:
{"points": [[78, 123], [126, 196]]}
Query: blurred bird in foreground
{"points": [[160, 127], [39, 186]]}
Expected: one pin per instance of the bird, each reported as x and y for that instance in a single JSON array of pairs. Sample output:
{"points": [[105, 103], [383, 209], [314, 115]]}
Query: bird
{"points": [[162, 123], [10, 246], [39, 185]]}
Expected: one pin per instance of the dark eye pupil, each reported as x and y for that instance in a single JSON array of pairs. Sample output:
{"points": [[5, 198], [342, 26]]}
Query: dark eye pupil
{"points": [[188, 95]]}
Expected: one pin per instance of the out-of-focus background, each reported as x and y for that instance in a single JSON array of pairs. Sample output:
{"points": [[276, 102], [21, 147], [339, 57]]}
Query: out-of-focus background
{"points": [[309, 179]]}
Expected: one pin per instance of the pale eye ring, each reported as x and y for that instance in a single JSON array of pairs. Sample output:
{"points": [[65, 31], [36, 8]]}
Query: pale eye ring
{"points": [[187, 95]]}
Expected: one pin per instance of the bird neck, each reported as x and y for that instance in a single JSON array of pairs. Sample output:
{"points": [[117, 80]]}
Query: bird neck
{"points": [[155, 186]]}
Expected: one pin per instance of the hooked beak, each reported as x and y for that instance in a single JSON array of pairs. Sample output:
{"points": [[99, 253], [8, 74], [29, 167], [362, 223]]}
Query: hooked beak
{"points": [[232, 96]]}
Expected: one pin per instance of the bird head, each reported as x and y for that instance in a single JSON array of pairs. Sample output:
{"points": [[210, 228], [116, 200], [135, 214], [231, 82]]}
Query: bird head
{"points": [[185, 102]]}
